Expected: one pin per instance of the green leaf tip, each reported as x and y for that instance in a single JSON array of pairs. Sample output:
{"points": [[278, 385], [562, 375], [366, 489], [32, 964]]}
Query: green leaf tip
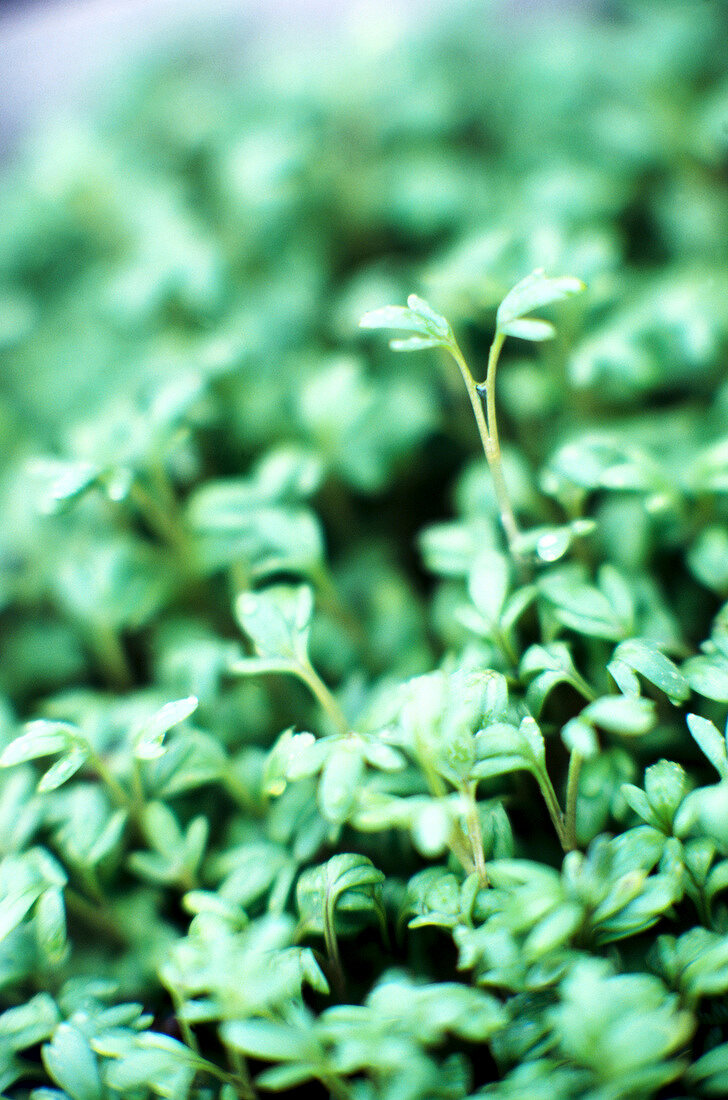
{"points": [[534, 292], [430, 328]]}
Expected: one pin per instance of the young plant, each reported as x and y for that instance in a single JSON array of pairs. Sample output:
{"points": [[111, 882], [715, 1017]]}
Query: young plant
{"points": [[431, 330]]}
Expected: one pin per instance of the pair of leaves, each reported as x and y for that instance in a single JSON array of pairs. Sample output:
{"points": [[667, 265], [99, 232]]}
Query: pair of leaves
{"points": [[431, 330], [348, 885], [502, 748], [534, 292], [340, 762], [176, 854], [44, 737]]}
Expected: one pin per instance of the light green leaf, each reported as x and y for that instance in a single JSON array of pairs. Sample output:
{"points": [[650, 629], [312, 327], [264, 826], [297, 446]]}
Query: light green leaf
{"points": [[277, 620], [623, 715], [340, 782], [72, 1065], [30, 1023], [529, 328], [534, 292], [431, 329], [644, 657], [393, 317], [294, 756], [503, 748], [488, 583], [268, 1040], [431, 828], [63, 769], [41, 738], [708, 676], [50, 925], [579, 736], [14, 906], [415, 343], [347, 881], [286, 1076], [710, 741], [150, 736]]}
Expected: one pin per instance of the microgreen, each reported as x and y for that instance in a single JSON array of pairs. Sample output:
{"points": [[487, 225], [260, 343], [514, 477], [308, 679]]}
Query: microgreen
{"points": [[432, 330]]}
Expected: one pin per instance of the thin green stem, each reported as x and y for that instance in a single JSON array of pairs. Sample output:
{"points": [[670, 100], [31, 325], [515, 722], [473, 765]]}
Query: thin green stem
{"points": [[332, 946], [111, 655], [488, 431], [312, 680], [338, 1088], [457, 841], [475, 834], [184, 1025], [121, 797], [241, 1075], [552, 805], [94, 917], [583, 686], [162, 521], [572, 789]]}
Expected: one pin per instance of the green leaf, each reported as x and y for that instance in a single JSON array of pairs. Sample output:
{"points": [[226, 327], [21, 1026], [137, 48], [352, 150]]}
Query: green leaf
{"points": [[579, 736], [431, 828], [340, 782], [709, 1075], [580, 606], [710, 741], [546, 667], [42, 738], [148, 740], [50, 924], [644, 657], [503, 748], [71, 1063], [270, 1041], [287, 1076], [28, 1024], [294, 756], [63, 769], [549, 544], [418, 317], [529, 328], [622, 715], [61, 480], [708, 676], [14, 906], [277, 620], [415, 343], [393, 317], [624, 677], [665, 787], [346, 882], [488, 583], [534, 292]]}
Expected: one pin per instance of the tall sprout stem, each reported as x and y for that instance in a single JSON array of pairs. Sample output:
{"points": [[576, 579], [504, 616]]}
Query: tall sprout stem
{"points": [[553, 807], [475, 834], [488, 431], [326, 700], [572, 788]]}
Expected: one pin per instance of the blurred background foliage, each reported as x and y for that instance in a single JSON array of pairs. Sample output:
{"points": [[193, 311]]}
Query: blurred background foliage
{"points": [[189, 411]]}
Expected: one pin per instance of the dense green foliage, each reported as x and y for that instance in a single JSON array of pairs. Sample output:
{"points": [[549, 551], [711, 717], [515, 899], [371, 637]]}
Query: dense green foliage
{"points": [[315, 781]]}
